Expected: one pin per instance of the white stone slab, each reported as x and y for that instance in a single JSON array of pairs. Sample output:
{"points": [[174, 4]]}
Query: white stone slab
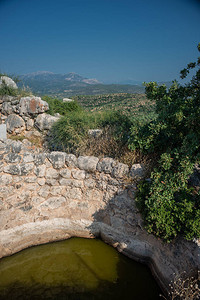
{"points": [[3, 133]]}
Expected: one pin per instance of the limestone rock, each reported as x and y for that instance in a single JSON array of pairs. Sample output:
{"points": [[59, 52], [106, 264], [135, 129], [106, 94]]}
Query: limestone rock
{"points": [[87, 163], [5, 179], [120, 170], [29, 124], [45, 121], [106, 165], [16, 146], [57, 115], [41, 181], [15, 124], [137, 171], [28, 157], [32, 106], [66, 173], [13, 158], [7, 109], [7, 81], [71, 160], [3, 133], [40, 171], [57, 159], [12, 169], [26, 168], [68, 100], [40, 159], [78, 174], [52, 174], [95, 133], [8, 98], [53, 202]]}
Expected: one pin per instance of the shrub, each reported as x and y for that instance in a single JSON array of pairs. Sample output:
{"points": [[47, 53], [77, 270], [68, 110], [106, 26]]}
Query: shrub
{"points": [[70, 133], [169, 205], [63, 108]]}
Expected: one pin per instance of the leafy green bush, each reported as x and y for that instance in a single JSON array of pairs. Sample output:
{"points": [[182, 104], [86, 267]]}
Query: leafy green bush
{"points": [[168, 204], [70, 133], [63, 108]]}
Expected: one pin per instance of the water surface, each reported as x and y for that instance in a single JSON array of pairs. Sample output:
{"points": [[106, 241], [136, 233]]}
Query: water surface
{"points": [[75, 269]]}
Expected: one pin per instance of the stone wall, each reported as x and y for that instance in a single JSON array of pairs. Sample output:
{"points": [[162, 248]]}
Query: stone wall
{"points": [[21, 114], [46, 197]]}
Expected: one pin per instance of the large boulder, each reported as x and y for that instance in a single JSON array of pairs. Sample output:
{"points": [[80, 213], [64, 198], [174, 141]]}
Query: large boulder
{"points": [[45, 121], [32, 106], [7, 81], [15, 124]]}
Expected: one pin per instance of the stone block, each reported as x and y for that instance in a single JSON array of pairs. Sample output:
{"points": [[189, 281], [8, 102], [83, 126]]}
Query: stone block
{"points": [[52, 173], [137, 171], [71, 160], [45, 121], [87, 163], [40, 171], [13, 158], [15, 123], [106, 165], [120, 170], [3, 133], [57, 159], [66, 173], [78, 174], [26, 168], [53, 202]]}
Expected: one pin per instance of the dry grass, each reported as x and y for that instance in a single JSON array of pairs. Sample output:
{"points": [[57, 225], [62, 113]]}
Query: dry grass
{"points": [[184, 288], [34, 139], [107, 145]]}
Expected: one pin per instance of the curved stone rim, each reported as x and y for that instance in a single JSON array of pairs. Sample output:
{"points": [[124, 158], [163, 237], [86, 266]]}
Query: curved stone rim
{"points": [[48, 231]]}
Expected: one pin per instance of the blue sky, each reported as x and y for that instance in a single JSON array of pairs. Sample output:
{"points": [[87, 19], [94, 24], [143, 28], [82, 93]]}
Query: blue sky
{"points": [[111, 40]]}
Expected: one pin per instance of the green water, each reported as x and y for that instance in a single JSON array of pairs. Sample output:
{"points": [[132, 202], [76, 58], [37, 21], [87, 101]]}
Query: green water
{"points": [[75, 269]]}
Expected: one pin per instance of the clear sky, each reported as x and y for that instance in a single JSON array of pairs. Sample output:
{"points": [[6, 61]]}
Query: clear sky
{"points": [[111, 40]]}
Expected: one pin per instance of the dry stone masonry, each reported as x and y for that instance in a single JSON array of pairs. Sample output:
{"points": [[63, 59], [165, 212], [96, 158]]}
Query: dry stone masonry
{"points": [[49, 196], [52, 196], [21, 114]]}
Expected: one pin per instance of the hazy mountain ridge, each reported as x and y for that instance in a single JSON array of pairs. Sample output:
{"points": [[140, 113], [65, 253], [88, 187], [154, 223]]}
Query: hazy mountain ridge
{"points": [[64, 85], [61, 85], [46, 75]]}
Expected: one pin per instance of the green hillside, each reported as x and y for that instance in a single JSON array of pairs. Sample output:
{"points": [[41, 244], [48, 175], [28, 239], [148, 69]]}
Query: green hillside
{"points": [[133, 105]]}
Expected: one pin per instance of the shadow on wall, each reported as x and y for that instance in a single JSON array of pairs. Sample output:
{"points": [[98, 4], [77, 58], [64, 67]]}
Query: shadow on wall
{"points": [[120, 224]]}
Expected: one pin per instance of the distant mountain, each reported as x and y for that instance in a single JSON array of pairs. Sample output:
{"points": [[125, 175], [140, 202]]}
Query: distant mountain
{"points": [[65, 79], [63, 85], [140, 83], [129, 81]]}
